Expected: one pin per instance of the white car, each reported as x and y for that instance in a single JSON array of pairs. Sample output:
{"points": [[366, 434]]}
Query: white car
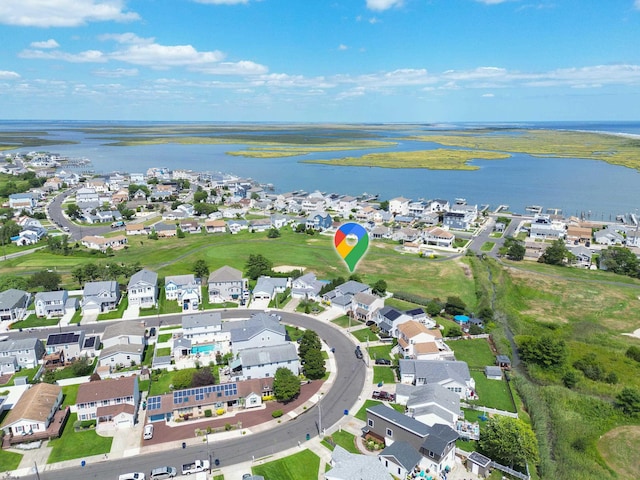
{"points": [[132, 476], [148, 432]]}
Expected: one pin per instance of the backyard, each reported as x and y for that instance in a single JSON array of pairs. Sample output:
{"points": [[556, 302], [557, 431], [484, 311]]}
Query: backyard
{"points": [[476, 352], [74, 444], [301, 466]]}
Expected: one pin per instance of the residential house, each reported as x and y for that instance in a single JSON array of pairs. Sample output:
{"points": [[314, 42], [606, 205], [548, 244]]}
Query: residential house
{"points": [[279, 221], [365, 305], [215, 226], [313, 203], [381, 216], [204, 328], [439, 237], [438, 205], [458, 220], [436, 444], [190, 226], [100, 297], [260, 225], [263, 362], [30, 235], [266, 287], [399, 206], [430, 404], [365, 214], [165, 230], [13, 304], [260, 330], [578, 234], [22, 201], [453, 375], [400, 459], [121, 196], [406, 234], [416, 209], [73, 345], [319, 221], [227, 284], [32, 416], [86, 195], [582, 256], [608, 236], [543, 227], [104, 243], [350, 466], [142, 290], [342, 296], [137, 178], [306, 286], [112, 401], [123, 344], [416, 341], [419, 315], [51, 304], [380, 232], [185, 289], [26, 353], [136, 229], [235, 226], [346, 204], [98, 185], [388, 319], [53, 184]]}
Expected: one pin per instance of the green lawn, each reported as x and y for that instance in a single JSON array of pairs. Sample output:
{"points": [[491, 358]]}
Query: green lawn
{"points": [[383, 374], [365, 334], [345, 439], [400, 304], [25, 372], [294, 332], [492, 393], [70, 393], [143, 385], [164, 352], [165, 337], [73, 444], [9, 460], [160, 383], [381, 351], [475, 352], [77, 317], [147, 360], [32, 321], [487, 246], [301, 466], [164, 306], [117, 313], [362, 413], [342, 321]]}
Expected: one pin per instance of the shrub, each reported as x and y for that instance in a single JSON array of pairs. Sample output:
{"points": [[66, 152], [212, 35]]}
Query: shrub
{"points": [[277, 413], [633, 353], [227, 427], [220, 411], [208, 413]]}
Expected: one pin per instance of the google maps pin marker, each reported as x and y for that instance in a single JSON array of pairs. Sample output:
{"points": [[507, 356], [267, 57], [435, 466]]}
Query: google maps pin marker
{"points": [[351, 241]]}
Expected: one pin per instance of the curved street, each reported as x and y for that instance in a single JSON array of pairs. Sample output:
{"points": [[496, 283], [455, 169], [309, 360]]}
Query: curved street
{"points": [[347, 386]]}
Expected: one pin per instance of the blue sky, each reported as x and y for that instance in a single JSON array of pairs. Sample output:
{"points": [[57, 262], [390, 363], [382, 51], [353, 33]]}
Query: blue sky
{"points": [[320, 60]]}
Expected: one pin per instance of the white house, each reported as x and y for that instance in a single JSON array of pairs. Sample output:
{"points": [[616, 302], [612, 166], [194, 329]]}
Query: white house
{"points": [[306, 286], [267, 287], [99, 297], [365, 305], [452, 375], [185, 290], [13, 304], [399, 206], [123, 344], [259, 330], [35, 410], [263, 362], [226, 284], [417, 341], [142, 289], [112, 401], [429, 404], [204, 328], [26, 352]]}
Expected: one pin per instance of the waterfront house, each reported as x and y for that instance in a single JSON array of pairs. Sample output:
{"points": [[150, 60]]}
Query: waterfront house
{"points": [[100, 297], [111, 401], [51, 304], [13, 305], [438, 205], [452, 375], [608, 236], [142, 290], [399, 206], [226, 284], [544, 227]]}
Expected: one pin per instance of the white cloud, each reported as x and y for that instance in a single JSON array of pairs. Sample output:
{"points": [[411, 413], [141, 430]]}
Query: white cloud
{"points": [[7, 75], [243, 67], [88, 56], [51, 43], [62, 13], [117, 73], [342, 47], [381, 5], [163, 56], [637, 4], [488, 95], [492, 2], [126, 38]]}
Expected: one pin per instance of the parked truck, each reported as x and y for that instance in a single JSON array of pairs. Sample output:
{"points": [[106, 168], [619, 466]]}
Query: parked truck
{"points": [[195, 467]]}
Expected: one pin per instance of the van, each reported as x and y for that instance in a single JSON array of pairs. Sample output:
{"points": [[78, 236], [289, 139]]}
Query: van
{"points": [[148, 432], [163, 472]]}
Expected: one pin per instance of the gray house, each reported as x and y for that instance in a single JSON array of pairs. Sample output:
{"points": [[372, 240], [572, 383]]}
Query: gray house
{"points": [[13, 304], [72, 344], [258, 331], [452, 375], [142, 289], [400, 459], [226, 285], [429, 404], [51, 304], [436, 444], [262, 362], [350, 466], [26, 352], [99, 297]]}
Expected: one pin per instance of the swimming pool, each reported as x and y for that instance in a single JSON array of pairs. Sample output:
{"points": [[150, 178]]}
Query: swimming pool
{"points": [[203, 349]]}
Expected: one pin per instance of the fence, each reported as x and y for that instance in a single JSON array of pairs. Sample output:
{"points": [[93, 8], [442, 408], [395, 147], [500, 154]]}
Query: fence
{"points": [[494, 411], [511, 471]]}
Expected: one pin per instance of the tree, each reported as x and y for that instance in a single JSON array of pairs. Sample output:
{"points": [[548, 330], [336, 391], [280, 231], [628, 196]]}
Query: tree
{"points": [[516, 251], [384, 205], [433, 308], [9, 229], [202, 378], [628, 400], [201, 269], [273, 233], [182, 379], [204, 208], [633, 353], [81, 367], [309, 340], [591, 368], [200, 196], [179, 233], [379, 288], [571, 378], [73, 211], [49, 280], [620, 260], [546, 350], [257, 265], [286, 386], [455, 306], [13, 281], [314, 367], [555, 254], [509, 441], [94, 377]]}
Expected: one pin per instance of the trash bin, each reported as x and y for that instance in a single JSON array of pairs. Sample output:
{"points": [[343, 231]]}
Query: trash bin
{"points": [[83, 463], [308, 436], [217, 462], [184, 444]]}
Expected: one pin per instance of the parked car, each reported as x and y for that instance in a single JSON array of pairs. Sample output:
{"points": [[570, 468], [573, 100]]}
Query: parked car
{"points": [[195, 467], [383, 361], [358, 353], [148, 432], [132, 476], [161, 473]]}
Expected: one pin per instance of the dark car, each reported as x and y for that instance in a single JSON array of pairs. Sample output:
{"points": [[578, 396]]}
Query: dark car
{"points": [[358, 352], [152, 332], [383, 361]]}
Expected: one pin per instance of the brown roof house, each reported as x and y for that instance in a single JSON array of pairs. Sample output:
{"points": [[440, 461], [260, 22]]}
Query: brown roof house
{"points": [[36, 415], [113, 401]]}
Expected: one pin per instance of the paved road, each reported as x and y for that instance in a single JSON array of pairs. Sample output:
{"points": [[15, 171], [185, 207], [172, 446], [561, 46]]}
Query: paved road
{"points": [[344, 393], [76, 232]]}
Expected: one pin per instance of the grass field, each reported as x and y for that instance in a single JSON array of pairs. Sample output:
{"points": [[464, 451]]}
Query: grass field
{"points": [[475, 352], [380, 351], [301, 466], [72, 445], [487, 246], [9, 460], [492, 393], [365, 335], [342, 321], [32, 321], [362, 413], [345, 439], [383, 374], [160, 383], [70, 393], [620, 447]]}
